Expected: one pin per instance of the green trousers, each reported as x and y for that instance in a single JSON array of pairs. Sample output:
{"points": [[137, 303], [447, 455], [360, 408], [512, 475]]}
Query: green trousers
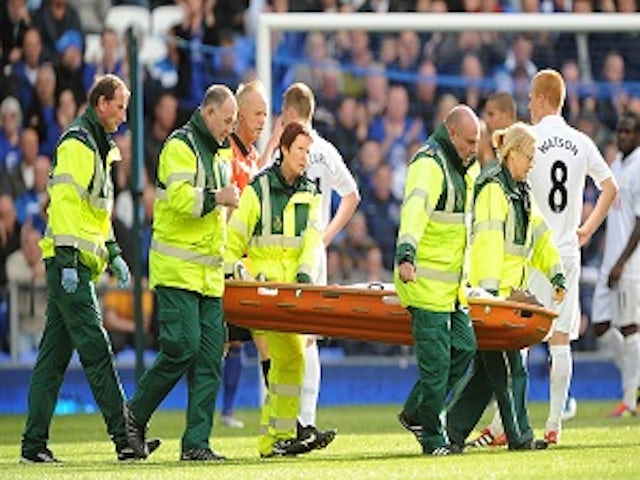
{"points": [[278, 417], [73, 322], [445, 344], [191, 338], [499, 373]]}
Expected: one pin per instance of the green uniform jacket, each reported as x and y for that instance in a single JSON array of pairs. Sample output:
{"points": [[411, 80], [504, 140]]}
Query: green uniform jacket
{"points": [[433, 232], [187, 246], [276, 225], [81, 192], [508, 235]]}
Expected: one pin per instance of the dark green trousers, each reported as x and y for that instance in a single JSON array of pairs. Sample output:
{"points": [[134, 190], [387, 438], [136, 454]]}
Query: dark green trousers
{"points": [[444, 345], [73, 322], [192, 334], [499, 373]]}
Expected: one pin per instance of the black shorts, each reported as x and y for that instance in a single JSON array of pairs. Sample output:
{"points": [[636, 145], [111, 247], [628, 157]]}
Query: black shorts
{"points": [[238, 334]]}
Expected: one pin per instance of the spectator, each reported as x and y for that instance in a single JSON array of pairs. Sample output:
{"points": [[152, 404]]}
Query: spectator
{"points": [[92, 13], [350, 130], [42, 114], [66, 109], [329, 97], [613, 97], [425, 94], [14, 22], [19, 179], [72, 71], [310, 68], [356, 55], [10, 123], [24, 73], [191, 61], [519, 56], [165, 114], [9, 243], [32, 204], [396, 130], [376, 92], [382, 212], [473, 93], [366, 164], [25, 267], [53, 19], [361, 258], [110, 62]]}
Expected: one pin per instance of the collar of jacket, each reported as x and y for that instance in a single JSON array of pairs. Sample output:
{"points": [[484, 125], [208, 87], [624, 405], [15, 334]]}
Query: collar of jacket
{"points": [[89, 120], [441, 138], [279, 182], [201, 130], [500, 172]]}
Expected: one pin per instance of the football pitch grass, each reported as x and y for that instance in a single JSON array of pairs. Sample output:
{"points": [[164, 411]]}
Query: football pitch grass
{"points": [[370, 445]]}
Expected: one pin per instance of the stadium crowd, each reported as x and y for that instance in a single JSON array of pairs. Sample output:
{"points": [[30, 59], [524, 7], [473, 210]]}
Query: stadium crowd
{"points": [[379, 96]]}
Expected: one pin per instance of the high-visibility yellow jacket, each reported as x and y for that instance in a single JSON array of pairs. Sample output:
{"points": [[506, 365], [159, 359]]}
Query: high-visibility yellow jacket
{"points": [[79, 225], [277, 226], [433, 230], [508, 235], [187, 247]]}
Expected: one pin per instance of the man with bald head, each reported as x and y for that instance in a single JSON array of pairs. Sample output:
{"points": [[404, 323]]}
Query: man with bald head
{"points": [[193, 192], [429, 255]]}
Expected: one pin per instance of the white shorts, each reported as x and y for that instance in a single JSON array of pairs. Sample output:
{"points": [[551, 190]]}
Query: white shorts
{"points": [[568, 320], [620, 306]]}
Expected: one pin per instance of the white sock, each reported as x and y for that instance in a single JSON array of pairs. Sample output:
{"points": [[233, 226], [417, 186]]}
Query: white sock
{"points": [[611, 343], [630, 369], [310, 386], [559, 380], [495, 427]]}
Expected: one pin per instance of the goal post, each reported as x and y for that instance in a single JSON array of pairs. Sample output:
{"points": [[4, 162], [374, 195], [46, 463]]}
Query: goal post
{"points": [[437, 22]]}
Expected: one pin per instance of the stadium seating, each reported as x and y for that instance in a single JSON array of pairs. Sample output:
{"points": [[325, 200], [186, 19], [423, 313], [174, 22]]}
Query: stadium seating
{"points": [[164, 17]]}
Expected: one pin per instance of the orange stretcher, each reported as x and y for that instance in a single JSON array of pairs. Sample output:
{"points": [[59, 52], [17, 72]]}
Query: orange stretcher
{"points": [[372, 314]]}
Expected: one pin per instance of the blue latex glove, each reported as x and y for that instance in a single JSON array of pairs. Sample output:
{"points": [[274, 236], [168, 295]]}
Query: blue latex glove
{"points": [[121, 270], [69, 280]]}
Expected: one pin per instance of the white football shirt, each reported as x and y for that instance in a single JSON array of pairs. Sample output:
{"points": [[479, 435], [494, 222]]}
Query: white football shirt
{"points": [[564, 157], [621, 219]]}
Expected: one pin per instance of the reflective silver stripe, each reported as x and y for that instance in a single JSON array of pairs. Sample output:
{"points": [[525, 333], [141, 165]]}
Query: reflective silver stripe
{"points": [[286, 390], [186, 255], [238, 225], [517, 250], [451, 218], [283, 423], [198, 202], [490, 284], [160, 194], [539, 231], [264, 430], [81, 244], [451, 198], [266, 206], [410, 239], [67, 179], [432, 274], [314, 225], [418, 193], [180, 177], [489, 226], [276, 241]]}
